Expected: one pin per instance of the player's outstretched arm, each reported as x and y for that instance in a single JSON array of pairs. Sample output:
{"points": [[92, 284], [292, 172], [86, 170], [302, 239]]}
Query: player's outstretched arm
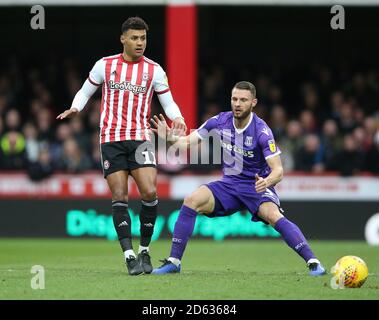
{"points": [[172, 112], [273, 178], [69, 113], [161, 128], [80, 100]]}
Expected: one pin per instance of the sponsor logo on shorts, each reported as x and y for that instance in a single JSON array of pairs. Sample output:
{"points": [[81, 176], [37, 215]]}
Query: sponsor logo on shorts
{"points": [[106, 165], [177, 240]]}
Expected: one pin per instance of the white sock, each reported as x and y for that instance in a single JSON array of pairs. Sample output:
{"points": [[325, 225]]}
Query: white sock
{"points": [[313, 260], [175, 261], [129, 253], [141, 248]]}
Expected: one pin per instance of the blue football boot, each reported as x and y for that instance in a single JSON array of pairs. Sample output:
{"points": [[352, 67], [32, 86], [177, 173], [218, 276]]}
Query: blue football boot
{"points": [[315, 268], [167, 267]]}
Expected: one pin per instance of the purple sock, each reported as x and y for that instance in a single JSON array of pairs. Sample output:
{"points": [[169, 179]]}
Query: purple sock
{"points": [[294, 238], [182, 231]]}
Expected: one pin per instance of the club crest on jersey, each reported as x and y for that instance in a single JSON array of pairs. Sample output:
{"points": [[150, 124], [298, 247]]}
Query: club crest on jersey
{"points": [[248, 141], [106, 164], [272, 145], [145, 76]]}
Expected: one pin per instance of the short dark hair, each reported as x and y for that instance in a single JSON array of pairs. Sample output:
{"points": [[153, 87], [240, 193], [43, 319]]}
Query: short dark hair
{"points": [[245, 85], [135, 23]]}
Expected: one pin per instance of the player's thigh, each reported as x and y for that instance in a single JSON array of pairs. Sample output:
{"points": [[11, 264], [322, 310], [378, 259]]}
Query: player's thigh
{"points": [[140, 154], [269, 212], [118, 184], [146, 180], [114, 157], [201, 200]]}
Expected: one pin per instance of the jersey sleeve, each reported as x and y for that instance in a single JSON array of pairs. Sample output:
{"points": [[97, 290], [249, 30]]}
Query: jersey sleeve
{"points": [[161, 81], [97, 74], [267, 143], [206, 127]]}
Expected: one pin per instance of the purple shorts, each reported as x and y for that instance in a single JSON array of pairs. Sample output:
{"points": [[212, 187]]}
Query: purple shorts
{"points": [[232, 196]]}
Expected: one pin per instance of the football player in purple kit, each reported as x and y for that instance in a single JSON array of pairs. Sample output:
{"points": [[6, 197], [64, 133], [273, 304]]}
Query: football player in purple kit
{"points": [[251, 168]]}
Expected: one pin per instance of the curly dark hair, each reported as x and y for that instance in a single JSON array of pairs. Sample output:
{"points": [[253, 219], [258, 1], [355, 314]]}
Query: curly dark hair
{"points": [[135, 23]]}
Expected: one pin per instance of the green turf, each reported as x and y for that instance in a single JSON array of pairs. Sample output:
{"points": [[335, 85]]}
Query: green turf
{"points": [[247, 269]]}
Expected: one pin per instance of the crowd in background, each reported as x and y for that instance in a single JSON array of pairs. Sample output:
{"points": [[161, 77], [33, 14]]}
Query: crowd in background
{"points": [[324, 119]]}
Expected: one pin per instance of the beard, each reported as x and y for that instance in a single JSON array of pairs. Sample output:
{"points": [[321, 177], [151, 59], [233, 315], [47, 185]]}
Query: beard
{"points": [[242, 115]]}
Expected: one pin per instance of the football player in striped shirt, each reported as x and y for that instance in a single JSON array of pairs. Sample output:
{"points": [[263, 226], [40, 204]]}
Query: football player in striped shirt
{"points": [[128, 81]]}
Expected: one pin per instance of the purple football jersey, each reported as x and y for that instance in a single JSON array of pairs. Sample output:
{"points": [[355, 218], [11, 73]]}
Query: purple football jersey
{"points": [[244, 151]]}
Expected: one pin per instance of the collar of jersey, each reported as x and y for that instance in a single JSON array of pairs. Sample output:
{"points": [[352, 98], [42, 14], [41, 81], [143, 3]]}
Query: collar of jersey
{"points": [[130, 62], [244, 128]]}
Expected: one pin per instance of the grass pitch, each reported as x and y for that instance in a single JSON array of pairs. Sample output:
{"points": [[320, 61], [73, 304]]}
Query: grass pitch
{"points": [[232, 269]]}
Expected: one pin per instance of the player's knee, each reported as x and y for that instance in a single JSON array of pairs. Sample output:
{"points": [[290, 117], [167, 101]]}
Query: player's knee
{"points": [[149, 194], [271, 216], [119, 195], [191, 202]]}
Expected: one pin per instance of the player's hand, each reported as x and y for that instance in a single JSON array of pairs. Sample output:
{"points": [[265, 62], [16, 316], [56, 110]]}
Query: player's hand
{"points": [[260, 184], [69, 113], [160, 126], [179, 127]]}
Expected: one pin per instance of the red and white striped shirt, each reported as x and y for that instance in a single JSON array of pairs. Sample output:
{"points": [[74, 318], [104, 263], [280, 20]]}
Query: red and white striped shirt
{"points": [[127, 90]]}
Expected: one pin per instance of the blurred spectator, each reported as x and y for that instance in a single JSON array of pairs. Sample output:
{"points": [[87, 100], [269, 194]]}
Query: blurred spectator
{"points": [[361, 139], [211, 110], [288, 161], [349, 160], [3, 103], [94, 116], [42, 168], [274, 95], [1, 126], [32, 145], [278, 121], [372, 161], [346, 120], [74, 160], [330, 139], [44, 124], [80, 134], [310, 97], [293, 139], [336, 101], [359, 116], [12, 151], [370, 125], [63, 133], [12, 120], [214, 85], [308, 157], [95, 152], [308, 121], [36, 105]]}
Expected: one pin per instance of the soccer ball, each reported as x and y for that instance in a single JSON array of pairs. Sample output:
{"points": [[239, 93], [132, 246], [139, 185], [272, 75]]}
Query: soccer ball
{"points": [[350, 272]]}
